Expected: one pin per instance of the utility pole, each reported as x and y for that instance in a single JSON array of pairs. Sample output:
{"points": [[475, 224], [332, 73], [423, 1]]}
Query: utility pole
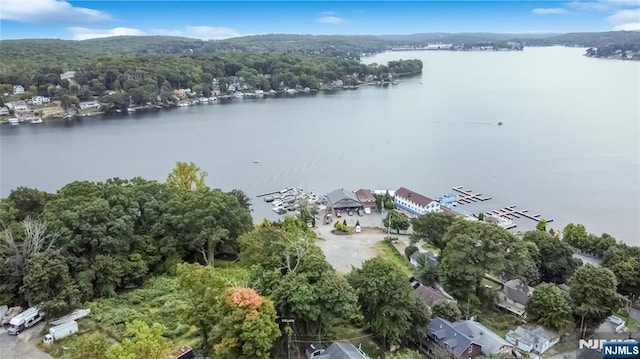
{"points": [[288, 322]]}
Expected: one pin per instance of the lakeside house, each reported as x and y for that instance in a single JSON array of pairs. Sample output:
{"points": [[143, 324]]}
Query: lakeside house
{"points": [[4, 111], [17, 106], [67, 75], [415, 203], [18, 89], [89, 105], [533, 338], [40, 100], [465, 339]]}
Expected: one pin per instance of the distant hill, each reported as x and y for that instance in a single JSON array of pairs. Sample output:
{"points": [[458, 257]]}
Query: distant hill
{"points": [[67, 54]]}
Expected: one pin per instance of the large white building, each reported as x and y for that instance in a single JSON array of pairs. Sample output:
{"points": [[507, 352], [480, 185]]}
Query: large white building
{"points": [[39, 100], [415, 203]]}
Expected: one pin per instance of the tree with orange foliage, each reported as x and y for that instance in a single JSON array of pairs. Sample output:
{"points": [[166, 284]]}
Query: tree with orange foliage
{"points": [[248, 328]]}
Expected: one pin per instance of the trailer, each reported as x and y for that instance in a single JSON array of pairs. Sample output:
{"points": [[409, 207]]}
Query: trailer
{"points": [[12, 312], [24, 320], [60, 331]]}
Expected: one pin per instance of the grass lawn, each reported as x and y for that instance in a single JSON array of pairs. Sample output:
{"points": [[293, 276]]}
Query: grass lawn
{"points": [[500, 323], [428, 247], [388, 251]]}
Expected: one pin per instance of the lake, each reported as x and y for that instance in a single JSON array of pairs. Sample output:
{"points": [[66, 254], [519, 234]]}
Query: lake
{"points": [[568, 148]]}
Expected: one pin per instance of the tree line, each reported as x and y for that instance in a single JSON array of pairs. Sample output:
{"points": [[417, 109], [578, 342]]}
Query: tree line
{"points": [[121, 78]]}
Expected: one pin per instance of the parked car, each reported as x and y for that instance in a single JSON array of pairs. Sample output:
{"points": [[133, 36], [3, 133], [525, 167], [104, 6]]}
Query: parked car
{"points": [[367, 210], [350, 212]]}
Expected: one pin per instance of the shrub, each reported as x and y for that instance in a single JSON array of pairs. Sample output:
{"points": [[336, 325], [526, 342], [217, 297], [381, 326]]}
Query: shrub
{"points": [[411, 249]]}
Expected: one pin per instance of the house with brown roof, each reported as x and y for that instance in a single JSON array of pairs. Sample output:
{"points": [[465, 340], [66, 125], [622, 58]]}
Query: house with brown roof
{"points": [[366, 198], [429, 295], [415, 203]]}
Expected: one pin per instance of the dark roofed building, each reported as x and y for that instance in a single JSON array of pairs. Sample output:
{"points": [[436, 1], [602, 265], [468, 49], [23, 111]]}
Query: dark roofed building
{"points": [[338, 350], [341, 199], [515, 296], [366, 198], [464, 339], [428, 295]]}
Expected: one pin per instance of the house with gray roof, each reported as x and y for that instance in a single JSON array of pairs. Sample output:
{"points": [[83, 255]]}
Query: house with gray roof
{"points": [[418, 258], [533, 338], [341, 199], [514, 296], [337, 350], [463, 339], [429, 295]]}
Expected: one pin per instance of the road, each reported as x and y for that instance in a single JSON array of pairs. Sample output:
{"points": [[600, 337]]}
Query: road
{"points": [[23, 346]]}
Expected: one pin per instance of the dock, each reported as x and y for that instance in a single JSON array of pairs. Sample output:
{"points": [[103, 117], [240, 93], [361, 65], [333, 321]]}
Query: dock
{"points": [[267, 194], [466, 196], [512, 212]]}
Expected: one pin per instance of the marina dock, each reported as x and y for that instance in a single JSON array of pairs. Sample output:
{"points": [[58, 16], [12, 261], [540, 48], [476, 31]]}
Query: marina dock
{"points": [[466, 196], [512, 212]]}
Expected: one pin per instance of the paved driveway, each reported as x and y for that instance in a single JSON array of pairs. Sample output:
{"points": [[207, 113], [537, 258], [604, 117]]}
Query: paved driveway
{"points": [[22, 346]]}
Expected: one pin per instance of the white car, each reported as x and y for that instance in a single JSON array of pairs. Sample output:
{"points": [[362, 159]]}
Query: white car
{"points": [[367, 210]]}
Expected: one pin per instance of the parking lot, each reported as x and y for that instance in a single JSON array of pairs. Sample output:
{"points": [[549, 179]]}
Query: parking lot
{"points": [[23, 346], [346, 251]]}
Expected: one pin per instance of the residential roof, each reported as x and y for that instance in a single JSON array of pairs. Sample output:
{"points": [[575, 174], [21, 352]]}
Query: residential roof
{"points": [[481, 335], [429, 295], [343, 199], [531, 335], [413, 196], [341, 350], [445, 332], [365, 196], [517, 291]]}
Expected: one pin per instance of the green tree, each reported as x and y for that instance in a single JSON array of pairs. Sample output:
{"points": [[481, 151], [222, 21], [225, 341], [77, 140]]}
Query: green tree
{"points": [[92, 346], [474, 249], [242, 198], [431, 228], [411, 249], [204, 289], [593, 295], [396, 221], [575, 235], [541, 225], [406, 354], [427, 272], [48, 283], [145, 342], [549, 307], [447, 310], [187, 176], [391, 310], [248, 329], [28, 202], [556, 259]]}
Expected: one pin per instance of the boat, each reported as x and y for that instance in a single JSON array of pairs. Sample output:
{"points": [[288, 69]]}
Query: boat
{"points": [[203, 99], [500, 123], [256, 161], [36, 121], [14, 121], [131, 109], [183, 104], [213, 99]]}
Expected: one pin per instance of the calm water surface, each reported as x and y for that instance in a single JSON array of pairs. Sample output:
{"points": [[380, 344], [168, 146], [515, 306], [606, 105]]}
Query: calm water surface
{"points": [[568, 149]]}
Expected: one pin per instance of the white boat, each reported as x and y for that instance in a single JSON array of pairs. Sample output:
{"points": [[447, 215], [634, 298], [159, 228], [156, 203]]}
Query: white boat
{"points": [[259, 93], [291, 92], [203, 99], [238, 95], [14, 121], [131, 109], [272, 92], [183, 104], [213, 99], [36, 121]]}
